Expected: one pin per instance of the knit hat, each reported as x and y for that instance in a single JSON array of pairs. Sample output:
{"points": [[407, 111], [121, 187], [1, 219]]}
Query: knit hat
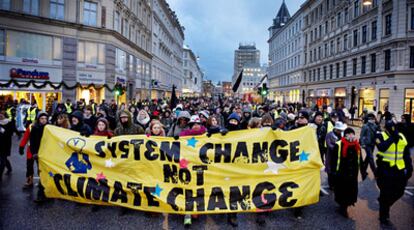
{"points": [[234, 116]]}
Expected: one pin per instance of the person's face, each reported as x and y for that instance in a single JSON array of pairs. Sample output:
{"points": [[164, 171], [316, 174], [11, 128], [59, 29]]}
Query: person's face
{"points": [[334, 119], [247, 114], [318, 120], [142, 115], [196, 126], [101, 126], [133, 110], [75, 121], [338, 132], [350, 136], [266, 124], [183, 121], [88, 112], [60, 120], [233, 122], [214, 122], [124, 119], [156, 129], [43, 120], [302, 121]]}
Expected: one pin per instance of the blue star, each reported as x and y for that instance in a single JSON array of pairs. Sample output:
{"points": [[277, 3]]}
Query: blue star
{"points": [[192, 142], [51, 174], [303, 156], [158, 190]]}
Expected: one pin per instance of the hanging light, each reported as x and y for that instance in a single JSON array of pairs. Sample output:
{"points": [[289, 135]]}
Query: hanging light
{"points": [[366, 2]]}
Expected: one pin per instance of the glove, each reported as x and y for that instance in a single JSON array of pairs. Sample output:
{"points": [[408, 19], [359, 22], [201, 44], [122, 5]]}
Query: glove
{"points": [[84, 134], [274, 127], [209, 135], [176, 137], [109, 137], [21, 151], [224, 132]]}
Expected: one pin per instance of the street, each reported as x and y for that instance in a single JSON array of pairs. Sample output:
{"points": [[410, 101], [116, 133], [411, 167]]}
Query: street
{"points": [[17, 211]]}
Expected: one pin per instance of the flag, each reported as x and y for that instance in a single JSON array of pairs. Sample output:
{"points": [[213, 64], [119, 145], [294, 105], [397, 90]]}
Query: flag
{"points": [[174, 99], [237, 83]]}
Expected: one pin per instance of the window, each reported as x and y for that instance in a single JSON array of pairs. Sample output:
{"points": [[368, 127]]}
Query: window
{"points": [[355, 38], [326, 27], [363, 64], [30, 45], [319, 74], [374, 30], [338, 44], [57, 9], [356, 8], [5, 4], [125, 31], [345, 42], [2, 42], [116, 22], [344, 68], [354, 66], [388, 24], [387, 60], [120, 60], [31, 7], [338, 20], [91, 53], [364, 34], [330, 71], [324, 73], [346, 17], [412, 19], [373, 63], [89, 13], [326, 50], [332, 48], [337, 69]]}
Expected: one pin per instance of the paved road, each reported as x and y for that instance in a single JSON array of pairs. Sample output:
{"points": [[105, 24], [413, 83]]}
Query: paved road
{"points": [[17, 211]]}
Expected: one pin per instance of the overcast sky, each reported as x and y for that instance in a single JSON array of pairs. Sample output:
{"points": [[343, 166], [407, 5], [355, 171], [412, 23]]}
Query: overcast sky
{"points": [[214, 28]]}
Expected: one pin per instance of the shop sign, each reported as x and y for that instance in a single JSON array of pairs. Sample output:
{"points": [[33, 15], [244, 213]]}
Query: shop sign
{"points": [[323, 92], [121, 80], [85, 77], [27, 74], [340, 92]]}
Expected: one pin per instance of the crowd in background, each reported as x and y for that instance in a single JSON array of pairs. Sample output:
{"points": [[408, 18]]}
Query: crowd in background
{"points": [[340, 150]]}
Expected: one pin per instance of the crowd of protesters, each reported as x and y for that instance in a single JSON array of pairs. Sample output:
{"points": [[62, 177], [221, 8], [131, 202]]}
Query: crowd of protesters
{"points": [[340, 150]]}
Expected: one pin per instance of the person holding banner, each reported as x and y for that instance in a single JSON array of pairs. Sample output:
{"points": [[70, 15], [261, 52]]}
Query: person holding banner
{"points": [[6, 132], [35, 138], [349, 162], [155, 129], [102, 128], [126, 126], [78, 124]]}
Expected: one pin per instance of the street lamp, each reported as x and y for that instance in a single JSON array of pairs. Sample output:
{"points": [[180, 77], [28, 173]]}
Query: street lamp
{"points": [[367, 2]]}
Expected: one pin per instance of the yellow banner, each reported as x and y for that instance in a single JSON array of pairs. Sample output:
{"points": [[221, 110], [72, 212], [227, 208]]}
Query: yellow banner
{"points": [[244, 171]]}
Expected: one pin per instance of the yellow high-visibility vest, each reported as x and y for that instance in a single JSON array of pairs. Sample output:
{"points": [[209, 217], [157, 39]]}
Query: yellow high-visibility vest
{"points": [[31, 114], [68, 107], [338, 161], [328, 130], [395, 153], [9, 112]]}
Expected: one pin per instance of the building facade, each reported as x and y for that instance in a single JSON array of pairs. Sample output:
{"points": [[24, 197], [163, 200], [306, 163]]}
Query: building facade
{"points": [[94, 43], [193, 76], [359, 55], [227, 89], [245, 54], [252, 76], [167, 39], [286, 54]]}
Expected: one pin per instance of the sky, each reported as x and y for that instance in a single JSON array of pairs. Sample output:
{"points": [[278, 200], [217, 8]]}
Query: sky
{"points": [[214, 29]]}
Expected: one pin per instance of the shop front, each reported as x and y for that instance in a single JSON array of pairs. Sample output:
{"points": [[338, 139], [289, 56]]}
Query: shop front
{"points": [[340, 97], [384, 97], [31, 83], [409, 103], [95, 92], [294, 95], [323, 97], [367, 100], [122, 80]]}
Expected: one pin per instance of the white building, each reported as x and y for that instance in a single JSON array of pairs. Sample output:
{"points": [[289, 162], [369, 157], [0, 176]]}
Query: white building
{"points": [[193, 76], [252, 76], [358, 55], [167, 43], [286, 56]]}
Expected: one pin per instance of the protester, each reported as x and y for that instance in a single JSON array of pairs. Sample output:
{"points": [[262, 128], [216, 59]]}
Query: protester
{"points": [[143, 119], [78, 125], [155, 129], [6, 133], [126, 126], [332, 156], [346, 173], [181, 124], [62, 120], [89, 117], [247, 114], [320, 133], [102, 128], [35, 138], [254, 122], [367, 140], [267, 120], [29, 158]]}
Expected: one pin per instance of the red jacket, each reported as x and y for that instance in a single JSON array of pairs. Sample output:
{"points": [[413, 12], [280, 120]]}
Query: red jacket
{"points": [[25, 140]]}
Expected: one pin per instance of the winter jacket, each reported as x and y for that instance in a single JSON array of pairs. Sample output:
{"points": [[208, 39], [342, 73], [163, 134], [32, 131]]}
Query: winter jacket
{"points": [[81, 127], [6, 133], [368, 132], [127, 129], [175, 130]]}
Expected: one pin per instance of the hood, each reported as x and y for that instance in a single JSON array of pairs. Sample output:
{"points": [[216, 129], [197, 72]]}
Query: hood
{"points": [[234, 116], [129, 117], [41, 114], [184, 114], [78, 114], [145, 120]]}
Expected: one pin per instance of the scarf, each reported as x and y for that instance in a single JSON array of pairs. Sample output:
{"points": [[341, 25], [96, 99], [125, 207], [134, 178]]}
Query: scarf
{"points": [[347, 144]]}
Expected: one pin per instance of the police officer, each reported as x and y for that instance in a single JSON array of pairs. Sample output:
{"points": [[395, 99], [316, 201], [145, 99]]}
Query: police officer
{"points": [[32, 114], [394, 168]]}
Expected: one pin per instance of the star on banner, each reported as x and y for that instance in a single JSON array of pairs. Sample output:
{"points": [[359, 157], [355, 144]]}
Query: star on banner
{"points": [[183, 163], [51, 174], [192, 142], [273, 167], [100, 176], [303, 156], [109, 163], [158, 190]]}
